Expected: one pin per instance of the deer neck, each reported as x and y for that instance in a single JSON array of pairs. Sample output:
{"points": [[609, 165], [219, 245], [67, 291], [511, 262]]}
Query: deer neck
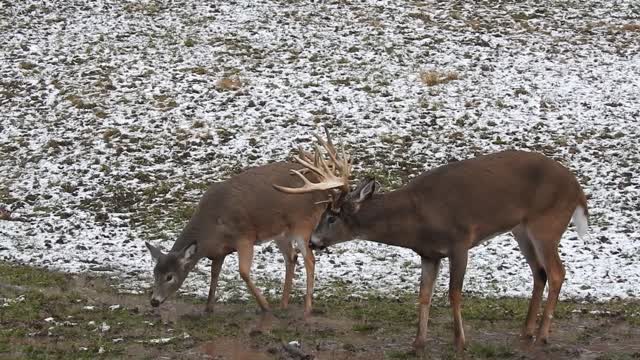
{"points": [[384, 218], [189, 235]]}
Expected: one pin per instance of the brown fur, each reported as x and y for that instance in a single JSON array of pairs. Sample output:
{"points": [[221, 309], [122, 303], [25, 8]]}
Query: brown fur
{"points": [[235, 215], [448, 210]]}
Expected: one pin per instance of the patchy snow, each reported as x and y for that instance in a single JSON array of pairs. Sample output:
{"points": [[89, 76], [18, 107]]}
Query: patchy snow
{"points": [[157, 341], [104, 327], [115, 116], [6, 302]]}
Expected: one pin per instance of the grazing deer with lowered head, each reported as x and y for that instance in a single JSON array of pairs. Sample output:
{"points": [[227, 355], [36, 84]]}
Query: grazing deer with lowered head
{"points": [[448, 210], [236, 215]]}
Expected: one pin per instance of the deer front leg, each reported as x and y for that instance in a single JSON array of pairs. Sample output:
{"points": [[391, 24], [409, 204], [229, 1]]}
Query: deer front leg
{"points": [[216, 266], [290, 268], [457, 269], [430, 269], [309, 265], [245, 258]]}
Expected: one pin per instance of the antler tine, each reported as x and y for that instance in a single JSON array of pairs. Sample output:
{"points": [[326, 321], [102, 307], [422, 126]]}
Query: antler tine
{"points": [[305, 154], [347, 164], [332, 173], [326, 183], [331, 150], [309, 165]]}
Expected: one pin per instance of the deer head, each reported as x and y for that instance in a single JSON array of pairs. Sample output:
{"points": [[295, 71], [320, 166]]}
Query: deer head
{"points": [[170, 271], [339, 222]]}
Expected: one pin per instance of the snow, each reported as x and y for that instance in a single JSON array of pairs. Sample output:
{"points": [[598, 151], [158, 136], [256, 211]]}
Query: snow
{"points": [[112, 119]]}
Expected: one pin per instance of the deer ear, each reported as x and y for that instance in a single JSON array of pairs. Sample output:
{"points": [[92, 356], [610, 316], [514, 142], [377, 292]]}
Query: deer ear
{"points": [[155, 252], [189, 254], [366, 190]]}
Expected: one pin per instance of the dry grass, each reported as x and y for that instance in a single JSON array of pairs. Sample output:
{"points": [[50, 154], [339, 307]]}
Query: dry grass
{"points": [[433, 77], [229, 83], [631, 27]]}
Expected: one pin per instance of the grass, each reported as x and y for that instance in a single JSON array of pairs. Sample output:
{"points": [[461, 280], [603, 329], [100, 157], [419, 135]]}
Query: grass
{"points": [[25, 65], [229, 83], [434, 77], [79, 103], [147, 7], [48, 315], [631, 27], [490, 351]]}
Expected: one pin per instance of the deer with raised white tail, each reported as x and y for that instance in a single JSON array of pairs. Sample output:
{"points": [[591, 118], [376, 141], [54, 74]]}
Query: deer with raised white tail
{"points": [[448, 210], [235, 215]]}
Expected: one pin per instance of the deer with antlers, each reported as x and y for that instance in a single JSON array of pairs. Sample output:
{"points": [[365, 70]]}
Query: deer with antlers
{"points": [[446, 211], [237, 214]]}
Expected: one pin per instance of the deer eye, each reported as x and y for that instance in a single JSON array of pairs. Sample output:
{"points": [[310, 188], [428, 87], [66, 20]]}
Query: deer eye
{"points": [[169, 278], [331, 219]]}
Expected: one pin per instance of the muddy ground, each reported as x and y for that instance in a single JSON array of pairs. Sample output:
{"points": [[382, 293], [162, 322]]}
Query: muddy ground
{"points": [[46, 315]]}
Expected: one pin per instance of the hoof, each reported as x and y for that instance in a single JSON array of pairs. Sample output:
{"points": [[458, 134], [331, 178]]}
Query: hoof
{"points": [[307, 313], [542, 341], [419, 344], [526, 336]]}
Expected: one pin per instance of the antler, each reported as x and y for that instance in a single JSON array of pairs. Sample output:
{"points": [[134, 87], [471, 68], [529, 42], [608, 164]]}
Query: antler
{"points": [[343, 164], [332, 175]]}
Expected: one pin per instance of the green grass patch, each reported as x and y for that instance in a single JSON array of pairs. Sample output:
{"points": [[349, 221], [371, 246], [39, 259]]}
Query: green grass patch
{"points": [[484, 350], [29, 276]]}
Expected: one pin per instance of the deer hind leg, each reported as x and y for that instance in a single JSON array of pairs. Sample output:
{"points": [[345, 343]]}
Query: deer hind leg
{"points": [[539, 279], [545, 234], [430, 269], [290, 259], [245, 258], [216, 267], [457, 269]]}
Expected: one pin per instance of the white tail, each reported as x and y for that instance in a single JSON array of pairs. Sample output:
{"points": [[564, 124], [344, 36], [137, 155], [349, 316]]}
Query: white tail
{"points": [[581, 223]]}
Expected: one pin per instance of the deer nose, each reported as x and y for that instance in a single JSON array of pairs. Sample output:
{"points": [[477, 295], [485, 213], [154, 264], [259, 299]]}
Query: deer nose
{"points": [[155, 302]]}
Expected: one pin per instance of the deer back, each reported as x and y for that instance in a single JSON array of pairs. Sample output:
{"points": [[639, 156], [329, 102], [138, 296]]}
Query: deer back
{"points": [[492, 193], [246, 206]]}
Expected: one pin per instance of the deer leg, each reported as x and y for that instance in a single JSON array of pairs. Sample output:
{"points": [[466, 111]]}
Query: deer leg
{"points": [[539, 279], [555, 273], [309, 265], [457, 269], [245, 258], [430, 269], [545, 234], [216, 266], [290, 259]]}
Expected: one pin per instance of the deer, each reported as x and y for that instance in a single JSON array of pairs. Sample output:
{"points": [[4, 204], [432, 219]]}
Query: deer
{"points": [[446, 211], [234, 216]]}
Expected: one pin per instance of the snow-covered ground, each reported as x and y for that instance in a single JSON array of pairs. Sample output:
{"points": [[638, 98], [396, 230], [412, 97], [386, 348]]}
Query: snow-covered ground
{"points": [[115, 115]]}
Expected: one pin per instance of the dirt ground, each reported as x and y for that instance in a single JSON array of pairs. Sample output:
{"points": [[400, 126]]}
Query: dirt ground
{"points": [[46, 315]]}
